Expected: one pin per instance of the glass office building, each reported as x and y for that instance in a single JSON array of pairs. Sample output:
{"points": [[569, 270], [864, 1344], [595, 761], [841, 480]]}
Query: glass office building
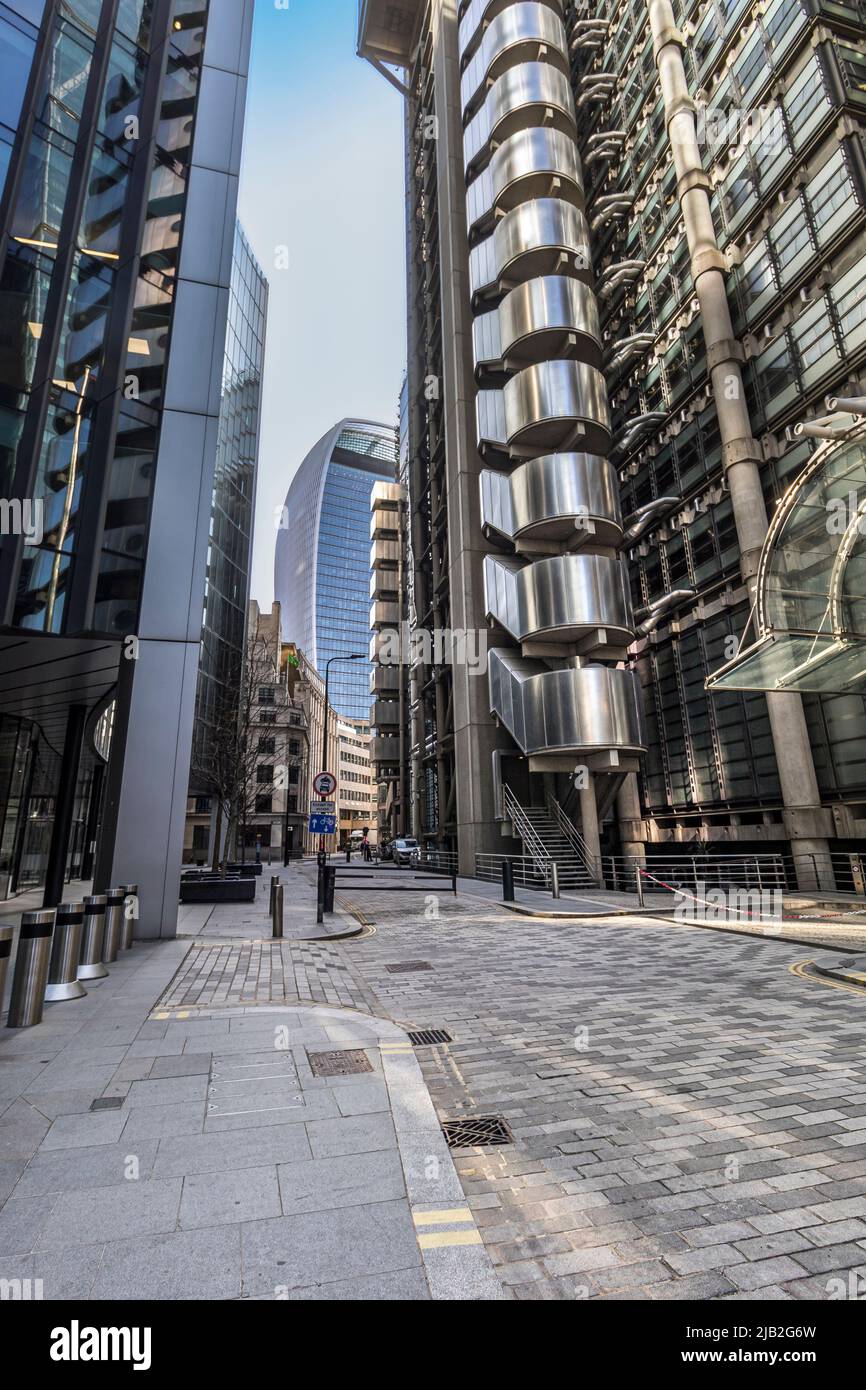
{"points": [[113, 290], [226, 594], [656, 259], [322, 566]]}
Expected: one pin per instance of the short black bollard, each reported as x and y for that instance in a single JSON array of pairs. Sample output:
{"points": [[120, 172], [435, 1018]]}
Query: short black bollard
{"points": [[277, 914], [320, 892], [31, 969], [275, 878], [330, 887], [507, 881]]}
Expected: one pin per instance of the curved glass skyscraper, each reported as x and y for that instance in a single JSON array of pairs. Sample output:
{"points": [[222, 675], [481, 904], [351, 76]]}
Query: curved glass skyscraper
{"points": [[322, 565]]}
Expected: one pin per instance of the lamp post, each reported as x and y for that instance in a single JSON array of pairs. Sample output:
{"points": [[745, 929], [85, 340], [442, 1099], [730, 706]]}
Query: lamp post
{"points": [[351, 656]]}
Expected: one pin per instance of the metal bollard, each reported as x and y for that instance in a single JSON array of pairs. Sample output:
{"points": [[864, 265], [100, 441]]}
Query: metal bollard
{"points": [[330, 886], [639, 881], [6, 934], [127, 936], [113, 925], [507, 881], [277, 914], [91, 967], [31, 969], [65, 955], [275, 878], [554, 879]]}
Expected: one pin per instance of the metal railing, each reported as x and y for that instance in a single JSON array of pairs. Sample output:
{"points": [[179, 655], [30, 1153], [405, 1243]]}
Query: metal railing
{"points": [[695, 871], [836, 871], [573, 836], [529, 872], [443, 861], [525, 831]]}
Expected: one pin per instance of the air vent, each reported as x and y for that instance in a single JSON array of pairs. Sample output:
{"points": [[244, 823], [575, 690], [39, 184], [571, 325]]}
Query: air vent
{"points": [[408, 967], [351, 1062], [477, 1132], [107, 1103], [428, 1037]]}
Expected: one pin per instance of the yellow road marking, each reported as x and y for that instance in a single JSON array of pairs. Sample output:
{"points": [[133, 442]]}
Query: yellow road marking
{"points": [[799, 969], [441, 1218], [437, 1240]]}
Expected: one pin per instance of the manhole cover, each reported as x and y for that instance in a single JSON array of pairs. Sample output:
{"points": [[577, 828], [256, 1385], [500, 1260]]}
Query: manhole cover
{"points": [[349, 1063], [476, 1132], [428, 1037], [107, 1103], [407, 967]]}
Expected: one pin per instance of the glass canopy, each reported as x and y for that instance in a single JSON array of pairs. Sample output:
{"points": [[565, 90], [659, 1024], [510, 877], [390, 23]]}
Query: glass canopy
{"points": [[809, 615]]}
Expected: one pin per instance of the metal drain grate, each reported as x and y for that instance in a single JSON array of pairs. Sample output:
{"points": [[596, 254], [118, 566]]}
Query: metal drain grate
{"points": [[107, 1103], [348, 1063], [477, 1132], [428, 1037], [407, 967]]}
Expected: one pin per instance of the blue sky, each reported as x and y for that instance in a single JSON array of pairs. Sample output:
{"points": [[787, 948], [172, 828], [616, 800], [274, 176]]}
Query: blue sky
{"points": [[323, 177]]}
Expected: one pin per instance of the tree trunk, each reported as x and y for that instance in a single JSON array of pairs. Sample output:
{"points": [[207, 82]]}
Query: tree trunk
{"points": [[215, 855]]}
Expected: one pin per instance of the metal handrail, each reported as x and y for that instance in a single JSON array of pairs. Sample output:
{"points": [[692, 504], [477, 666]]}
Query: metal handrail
{"points": [[527, 833], [573, 835], [761, 871]]}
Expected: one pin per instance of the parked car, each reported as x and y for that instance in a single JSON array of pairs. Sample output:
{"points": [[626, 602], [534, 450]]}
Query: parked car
{"points": [[405, 852]]}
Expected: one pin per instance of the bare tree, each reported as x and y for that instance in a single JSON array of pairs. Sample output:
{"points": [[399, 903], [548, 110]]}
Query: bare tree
{"points": [[226, 758]]}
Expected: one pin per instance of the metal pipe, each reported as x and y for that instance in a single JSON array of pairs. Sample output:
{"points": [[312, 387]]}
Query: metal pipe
{"points": [[30, 975], [63, 982], [554, 879]]}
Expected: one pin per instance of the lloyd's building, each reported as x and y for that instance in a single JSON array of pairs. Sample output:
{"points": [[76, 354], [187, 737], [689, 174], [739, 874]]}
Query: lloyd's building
{"points": [[635, 313]]}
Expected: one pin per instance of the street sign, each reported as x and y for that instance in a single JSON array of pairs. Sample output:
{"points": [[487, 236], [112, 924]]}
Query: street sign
{"points": [[323, 808], [324, 784], [323, 825]]}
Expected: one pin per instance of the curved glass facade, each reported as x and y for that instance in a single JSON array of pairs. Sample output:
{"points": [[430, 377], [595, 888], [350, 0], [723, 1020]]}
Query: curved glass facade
{"points": [[322, 567]]}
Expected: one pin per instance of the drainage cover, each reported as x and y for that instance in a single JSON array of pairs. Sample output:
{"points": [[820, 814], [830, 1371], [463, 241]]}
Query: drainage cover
{"points": [[406, 967], [478, 1131], [107, 1103], [428, 1036], [348, 1063]]}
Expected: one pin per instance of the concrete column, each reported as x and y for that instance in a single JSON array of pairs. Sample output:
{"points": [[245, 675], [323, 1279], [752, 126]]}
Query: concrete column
{"points": [[475, 735], [589, 823], [805, 819], [630, 819]]}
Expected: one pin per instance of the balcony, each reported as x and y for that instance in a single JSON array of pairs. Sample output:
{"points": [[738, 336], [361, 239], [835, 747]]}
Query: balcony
{"points": [[385, 680], [575, 712], [554, 499], [533, 94], [385, 749], [480, 12], [538, 238], [581, 600], [534, 163], [384, 584], [384, 615], [518, 34], [554, 405]]}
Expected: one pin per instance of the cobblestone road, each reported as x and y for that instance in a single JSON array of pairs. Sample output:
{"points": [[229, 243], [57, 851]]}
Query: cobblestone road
{"points": [[689, 1117]]}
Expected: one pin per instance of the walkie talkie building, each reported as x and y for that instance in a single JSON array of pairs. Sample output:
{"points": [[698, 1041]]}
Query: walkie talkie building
{"points": [[633, 233]]}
